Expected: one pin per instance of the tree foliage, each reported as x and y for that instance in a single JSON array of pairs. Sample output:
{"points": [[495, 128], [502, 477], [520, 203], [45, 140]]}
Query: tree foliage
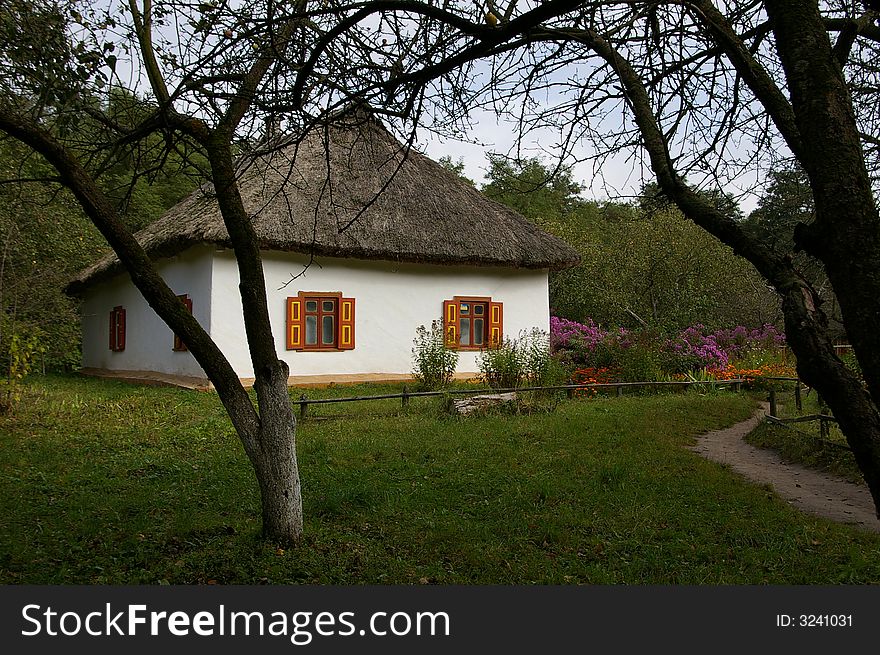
{"points": [[44, 239], [47, 238], [787, 203], [642, 265]]}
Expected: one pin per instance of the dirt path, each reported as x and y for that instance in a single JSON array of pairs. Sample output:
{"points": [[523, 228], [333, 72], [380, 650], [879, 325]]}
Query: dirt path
{"points": [[808, 490]]}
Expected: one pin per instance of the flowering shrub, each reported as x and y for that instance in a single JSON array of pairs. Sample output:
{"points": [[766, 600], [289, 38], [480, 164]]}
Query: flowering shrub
{"points": [[643, 355], [591, 375], [567, 334], [752, 376], [737, 342], [694, 349]]}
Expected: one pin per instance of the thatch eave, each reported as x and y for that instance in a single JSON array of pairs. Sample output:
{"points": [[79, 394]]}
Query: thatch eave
{"points": [[110, 266], [351, 190]]}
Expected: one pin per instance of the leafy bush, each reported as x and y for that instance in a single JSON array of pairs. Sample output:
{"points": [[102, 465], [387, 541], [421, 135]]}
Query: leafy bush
{"points": [[540, 367], [640, 361], [21, 352], [502, 367], [433, 364], [525, 360]]}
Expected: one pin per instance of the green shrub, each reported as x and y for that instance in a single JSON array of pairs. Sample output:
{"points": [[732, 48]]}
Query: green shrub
{"points": [[433, 364], [638, 358], [21, 353], [501, 367], [525, 360]]}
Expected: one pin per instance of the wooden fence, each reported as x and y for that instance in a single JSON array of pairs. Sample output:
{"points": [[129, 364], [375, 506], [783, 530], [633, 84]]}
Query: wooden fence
{"points": [[824, 419], [619, 388]]}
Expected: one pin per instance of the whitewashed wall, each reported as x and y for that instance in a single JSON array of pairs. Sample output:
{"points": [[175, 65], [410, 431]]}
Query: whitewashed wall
{"points": [[392, 300], [148, 341]]}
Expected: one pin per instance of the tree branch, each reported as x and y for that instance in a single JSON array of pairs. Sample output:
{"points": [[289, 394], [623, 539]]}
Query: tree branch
{"points": [[143, 31], [143, 274]]}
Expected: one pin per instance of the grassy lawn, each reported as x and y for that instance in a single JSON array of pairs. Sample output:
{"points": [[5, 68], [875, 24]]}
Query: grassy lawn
{"points": [[104, 482]]}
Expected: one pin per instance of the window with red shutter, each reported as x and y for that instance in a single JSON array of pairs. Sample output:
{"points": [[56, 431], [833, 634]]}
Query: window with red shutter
{"points": [[117, 329], [320, 321], [179, 346], [472, 323]]}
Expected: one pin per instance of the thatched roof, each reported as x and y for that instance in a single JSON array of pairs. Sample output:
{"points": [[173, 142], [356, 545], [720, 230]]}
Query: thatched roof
{"points": [[407, 208]]}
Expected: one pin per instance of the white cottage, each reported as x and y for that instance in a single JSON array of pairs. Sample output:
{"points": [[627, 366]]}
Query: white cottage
{"points": [[362, 243]]}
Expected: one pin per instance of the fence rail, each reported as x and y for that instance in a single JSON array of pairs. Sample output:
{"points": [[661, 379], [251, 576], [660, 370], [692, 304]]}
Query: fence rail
{"points": [[824, 419], [619, 387]]}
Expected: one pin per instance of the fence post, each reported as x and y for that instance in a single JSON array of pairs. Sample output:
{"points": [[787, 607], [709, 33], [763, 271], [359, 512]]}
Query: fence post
{"points": [[404, 397], [797, 396], [569, 393], [823, 428], [735, 386], [772, 402], [619, 390], [303, 405]]}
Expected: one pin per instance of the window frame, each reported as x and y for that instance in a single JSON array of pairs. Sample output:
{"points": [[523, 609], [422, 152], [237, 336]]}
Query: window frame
{"points": [[336, 296], [486, 301], [117, 329], [179, 346], [295, 321], [494, 326]]}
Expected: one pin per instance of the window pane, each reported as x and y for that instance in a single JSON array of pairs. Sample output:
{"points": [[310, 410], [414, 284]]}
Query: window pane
{"points": [[464, 307], [328, 334], [479, 309], [465, 329], [311, 330], [478, 331], [311, 305], [329, 305]]}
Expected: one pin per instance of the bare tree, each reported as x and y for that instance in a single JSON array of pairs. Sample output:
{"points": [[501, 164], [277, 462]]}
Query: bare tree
{"points": [[699, 92]]}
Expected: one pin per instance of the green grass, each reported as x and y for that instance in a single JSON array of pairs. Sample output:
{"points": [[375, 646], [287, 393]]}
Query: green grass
{"points": [[107, 483], [801, 443]]}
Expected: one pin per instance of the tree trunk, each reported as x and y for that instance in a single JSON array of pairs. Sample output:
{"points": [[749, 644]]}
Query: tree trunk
{"points": [[275, 462], [845, 236], [274, 452]]}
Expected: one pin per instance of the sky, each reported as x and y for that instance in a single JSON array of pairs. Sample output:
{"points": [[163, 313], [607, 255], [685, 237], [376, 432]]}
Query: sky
{"points": [[489, 135], [619, 178]]}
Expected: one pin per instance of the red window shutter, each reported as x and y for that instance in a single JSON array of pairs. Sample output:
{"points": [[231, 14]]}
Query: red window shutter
{"points": [[450, 324], [346, 324], [120, 329], [178, 342], [496, 324], [117, 328], [113, 329], [295, 324]]}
